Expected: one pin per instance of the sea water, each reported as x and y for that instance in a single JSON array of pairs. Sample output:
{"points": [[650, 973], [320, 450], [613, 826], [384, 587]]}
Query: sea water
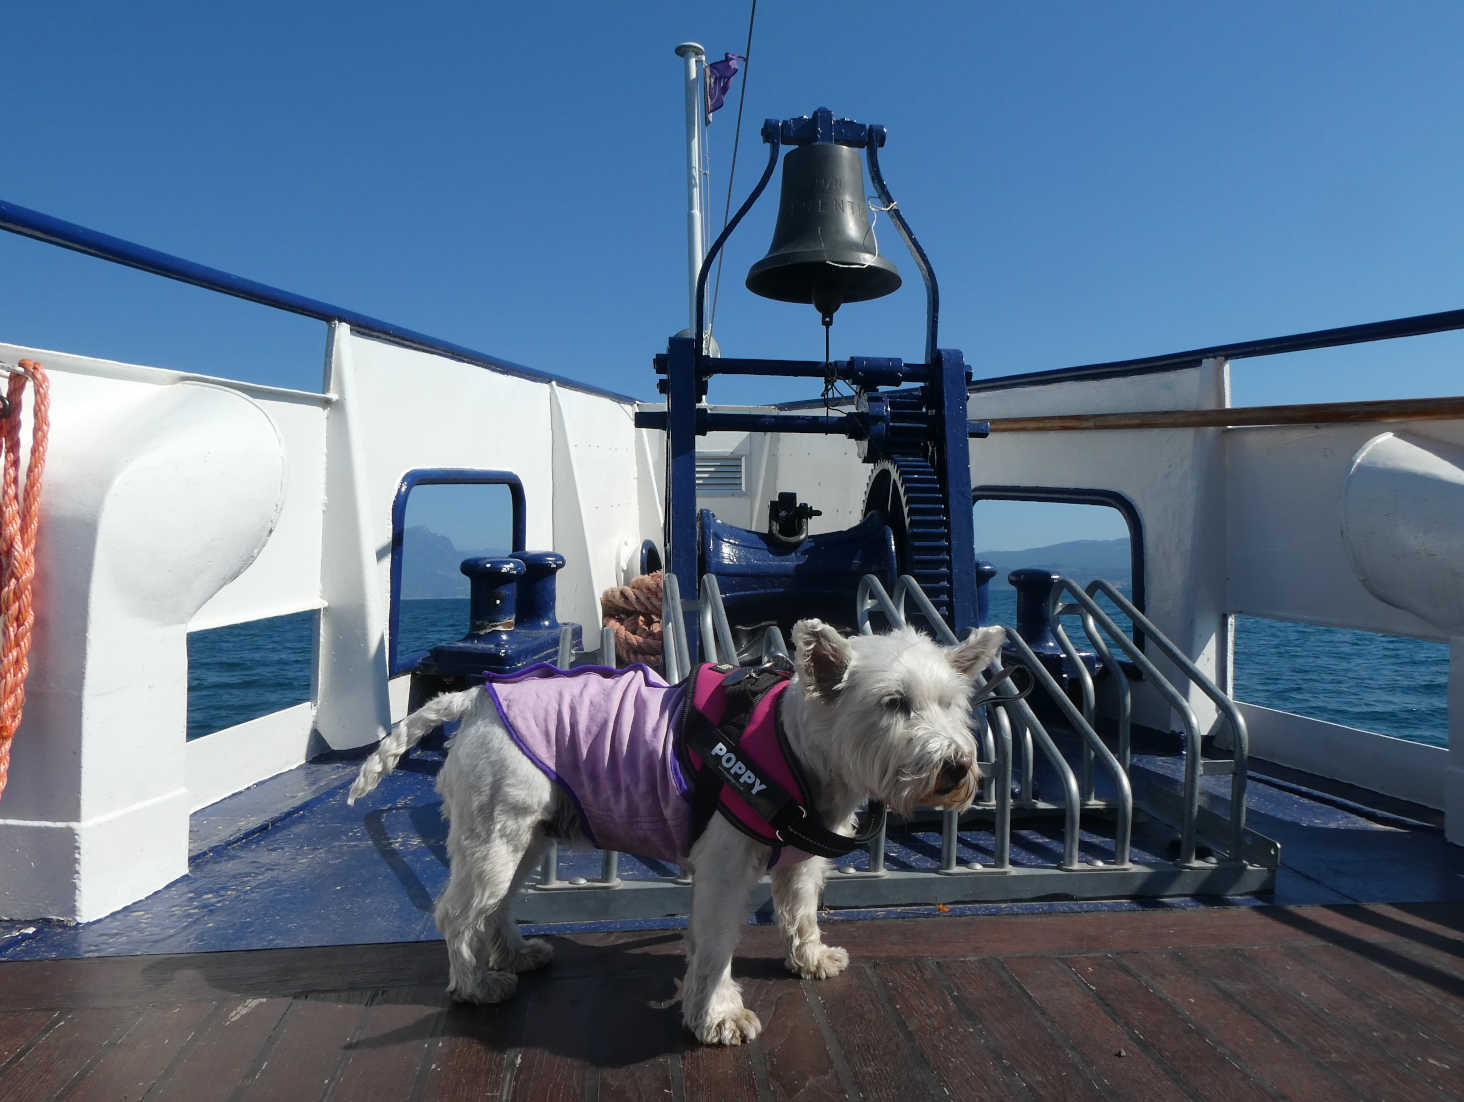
{"points": [[1381, 683]]}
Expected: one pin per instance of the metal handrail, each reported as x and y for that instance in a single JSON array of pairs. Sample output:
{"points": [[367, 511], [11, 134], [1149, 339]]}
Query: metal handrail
{"points": [[774, 645], [907, 587], [1417, 325], [996, 747], [55, 231], [1105, 657], [674, 654], [716, 632], [1123, 790], [1240, 748], [1172, 695]]}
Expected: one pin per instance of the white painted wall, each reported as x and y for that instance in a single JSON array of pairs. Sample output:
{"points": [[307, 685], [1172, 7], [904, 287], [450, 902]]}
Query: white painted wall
{"points": [[173, 503], [1354, 526], [136, 536], [1174, 478], [1288, 558]]}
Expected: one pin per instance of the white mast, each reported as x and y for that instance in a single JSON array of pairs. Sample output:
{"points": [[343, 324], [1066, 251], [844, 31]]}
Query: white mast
{"points": [[693, 56]]}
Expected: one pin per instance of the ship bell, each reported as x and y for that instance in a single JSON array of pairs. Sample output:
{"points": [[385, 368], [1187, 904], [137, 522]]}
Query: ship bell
{"points": [[823, 249]]}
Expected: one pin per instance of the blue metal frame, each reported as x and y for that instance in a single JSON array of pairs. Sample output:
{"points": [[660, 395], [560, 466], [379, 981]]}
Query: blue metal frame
{"points": [[43, 227], [438, 476], [1082, 495]]}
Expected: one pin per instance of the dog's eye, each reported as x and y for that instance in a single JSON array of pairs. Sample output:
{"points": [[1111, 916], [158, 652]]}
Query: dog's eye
{"points": [[896, 703]]}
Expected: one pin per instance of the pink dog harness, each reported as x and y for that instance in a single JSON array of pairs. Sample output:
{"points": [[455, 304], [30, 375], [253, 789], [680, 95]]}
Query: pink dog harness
{"points": [[611, 739]]}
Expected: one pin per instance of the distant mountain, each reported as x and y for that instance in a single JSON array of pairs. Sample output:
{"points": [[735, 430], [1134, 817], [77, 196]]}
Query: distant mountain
{"points": [[1083, 560], [430, 566]]}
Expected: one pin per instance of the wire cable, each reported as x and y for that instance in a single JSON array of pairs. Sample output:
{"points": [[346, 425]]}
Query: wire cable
{"points": [[732, 169]]}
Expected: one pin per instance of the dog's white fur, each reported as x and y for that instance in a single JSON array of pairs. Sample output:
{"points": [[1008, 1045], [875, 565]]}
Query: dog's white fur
{"points": [[880, 717]]}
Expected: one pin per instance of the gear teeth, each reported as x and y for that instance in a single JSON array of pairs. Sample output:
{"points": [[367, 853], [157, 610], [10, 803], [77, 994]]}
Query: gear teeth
{"points": [[926, 550]]}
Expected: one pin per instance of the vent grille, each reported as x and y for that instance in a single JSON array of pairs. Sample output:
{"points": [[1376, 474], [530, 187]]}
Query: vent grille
{"points": [[719, 474]]}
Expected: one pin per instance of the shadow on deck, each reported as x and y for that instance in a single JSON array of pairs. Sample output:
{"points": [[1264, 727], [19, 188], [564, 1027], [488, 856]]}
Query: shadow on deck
{"points": [[1304, 1002]]}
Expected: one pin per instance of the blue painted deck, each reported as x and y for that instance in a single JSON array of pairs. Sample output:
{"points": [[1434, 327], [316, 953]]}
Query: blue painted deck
{"points": [[288, 864]]}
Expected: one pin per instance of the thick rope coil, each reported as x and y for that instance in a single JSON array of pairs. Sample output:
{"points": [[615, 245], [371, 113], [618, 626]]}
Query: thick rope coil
{"points": [[19, 519], [634, 611]]}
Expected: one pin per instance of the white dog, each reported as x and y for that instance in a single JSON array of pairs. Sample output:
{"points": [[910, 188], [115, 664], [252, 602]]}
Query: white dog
{"points": [[882, 718]]}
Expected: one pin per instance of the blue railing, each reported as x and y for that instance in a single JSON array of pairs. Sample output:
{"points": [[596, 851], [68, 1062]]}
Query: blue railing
{"points": [[42, 227], [1416, 326], [438, 476]]}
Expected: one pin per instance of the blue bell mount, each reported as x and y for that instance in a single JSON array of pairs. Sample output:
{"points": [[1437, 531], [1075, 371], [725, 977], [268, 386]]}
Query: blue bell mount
{"points": [[914, 436]]}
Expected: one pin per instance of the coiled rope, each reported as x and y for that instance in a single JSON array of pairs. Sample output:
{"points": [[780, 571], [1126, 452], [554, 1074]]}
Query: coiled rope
{"points": [[634, 611], [19, 518]]}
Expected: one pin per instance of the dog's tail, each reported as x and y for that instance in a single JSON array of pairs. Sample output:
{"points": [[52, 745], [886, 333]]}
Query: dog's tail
{"points": [[406, 734]]}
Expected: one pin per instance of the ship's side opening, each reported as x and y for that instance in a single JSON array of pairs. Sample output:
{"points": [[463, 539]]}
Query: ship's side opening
{"points": [[243, 671], [443, 525]]}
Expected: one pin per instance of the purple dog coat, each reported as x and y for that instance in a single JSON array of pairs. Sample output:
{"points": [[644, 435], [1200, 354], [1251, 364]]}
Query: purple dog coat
{"points": [[608, 738]]}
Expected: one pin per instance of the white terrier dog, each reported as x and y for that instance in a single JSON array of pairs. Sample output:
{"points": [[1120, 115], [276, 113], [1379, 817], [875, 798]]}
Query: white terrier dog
{"points": [[882, 718]]}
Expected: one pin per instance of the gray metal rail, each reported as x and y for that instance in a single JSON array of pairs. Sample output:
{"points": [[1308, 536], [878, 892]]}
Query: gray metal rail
{"points": [[1010, 737], [1196, 765]]}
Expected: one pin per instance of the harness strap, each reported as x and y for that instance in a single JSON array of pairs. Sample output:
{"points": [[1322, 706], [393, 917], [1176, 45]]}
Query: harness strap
{"points": [[989, 695], [785, 812], [811, 836]]}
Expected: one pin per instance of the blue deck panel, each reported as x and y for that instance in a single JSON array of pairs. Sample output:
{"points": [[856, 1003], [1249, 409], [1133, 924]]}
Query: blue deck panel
{"points": [[269, 871]]}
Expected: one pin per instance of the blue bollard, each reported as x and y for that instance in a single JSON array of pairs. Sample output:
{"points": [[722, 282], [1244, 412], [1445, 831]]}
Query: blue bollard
{"points": [[492, 593], [511, 618], [537, 588], [1034, 589]]}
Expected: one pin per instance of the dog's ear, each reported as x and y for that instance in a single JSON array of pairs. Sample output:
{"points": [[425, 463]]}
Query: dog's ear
{"points": [[821, 656], [976, 651]]}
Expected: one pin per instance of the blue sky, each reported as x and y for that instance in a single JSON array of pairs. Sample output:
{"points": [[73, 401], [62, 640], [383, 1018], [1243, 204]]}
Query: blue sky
{"points": [[1090, 181]]}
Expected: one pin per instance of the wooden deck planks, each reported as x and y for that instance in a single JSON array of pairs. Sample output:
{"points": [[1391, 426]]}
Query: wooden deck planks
{"points": [[389, 1049], [958, 1049], [1367, 1069], [1103, 1043], [1320, 1002], [1273, 1060], [874, 1046], [989, 994], [22, 1028], [795, 1057], [1167, 1031], [128, 1069], [309, 1047], [468, 1060], [63, 1052]]}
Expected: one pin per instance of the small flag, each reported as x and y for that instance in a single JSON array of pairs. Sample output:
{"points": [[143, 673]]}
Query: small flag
{"points": [[719, 76]]}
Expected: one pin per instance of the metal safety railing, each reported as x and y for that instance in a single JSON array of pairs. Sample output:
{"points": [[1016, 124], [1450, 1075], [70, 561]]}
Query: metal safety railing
{"points": [[872, 596], [1097, 624], [1086, 777]]}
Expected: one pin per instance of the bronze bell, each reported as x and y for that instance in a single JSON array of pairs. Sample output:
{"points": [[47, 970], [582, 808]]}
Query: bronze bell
{"points": [[823, 249]]}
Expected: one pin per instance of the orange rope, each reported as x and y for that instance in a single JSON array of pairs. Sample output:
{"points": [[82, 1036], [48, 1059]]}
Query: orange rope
{"points": [[19, 518], [634, 611]]}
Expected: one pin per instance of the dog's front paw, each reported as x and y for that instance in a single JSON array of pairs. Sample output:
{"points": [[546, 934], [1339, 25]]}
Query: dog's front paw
{"points": [[536, 953], [737, 1027], [483, 987], [818, 962]]}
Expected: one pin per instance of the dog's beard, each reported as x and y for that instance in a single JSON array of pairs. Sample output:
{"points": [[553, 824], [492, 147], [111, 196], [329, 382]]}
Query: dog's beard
{"points": [[914, 780]]}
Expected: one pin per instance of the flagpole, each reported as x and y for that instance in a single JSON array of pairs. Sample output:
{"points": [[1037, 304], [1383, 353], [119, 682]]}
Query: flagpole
{"points": [[693, 56]]}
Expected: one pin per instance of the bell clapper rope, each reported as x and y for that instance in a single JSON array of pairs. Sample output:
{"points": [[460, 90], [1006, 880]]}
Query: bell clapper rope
{"points": [[876, 210], [828, 379]]}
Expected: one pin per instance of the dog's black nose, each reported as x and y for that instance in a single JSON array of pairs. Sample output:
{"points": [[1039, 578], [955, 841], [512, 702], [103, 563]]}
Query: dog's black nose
{"points": [[952, 773]]}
